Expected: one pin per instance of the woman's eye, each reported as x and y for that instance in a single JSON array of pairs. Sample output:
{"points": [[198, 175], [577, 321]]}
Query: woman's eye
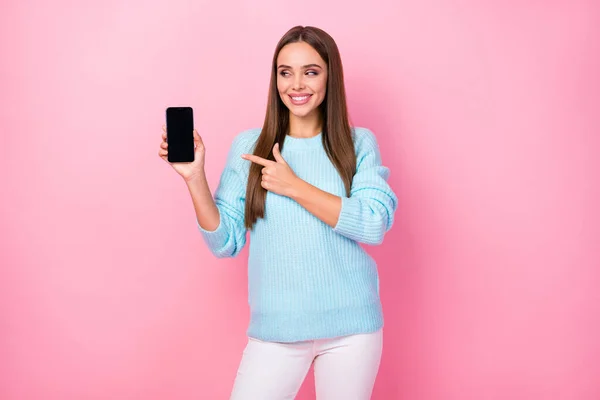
{"points": [[286, 73]]}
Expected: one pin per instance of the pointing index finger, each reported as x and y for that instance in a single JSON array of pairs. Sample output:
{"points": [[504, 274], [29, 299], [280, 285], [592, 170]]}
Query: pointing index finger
{"points": [[258, 160]]}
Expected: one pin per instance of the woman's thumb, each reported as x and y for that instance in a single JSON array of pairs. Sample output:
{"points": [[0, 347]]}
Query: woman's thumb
{"points": [[197, 138]]}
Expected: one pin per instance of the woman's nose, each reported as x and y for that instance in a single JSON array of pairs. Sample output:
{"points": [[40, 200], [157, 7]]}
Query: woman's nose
{"points": [[299, 82]]}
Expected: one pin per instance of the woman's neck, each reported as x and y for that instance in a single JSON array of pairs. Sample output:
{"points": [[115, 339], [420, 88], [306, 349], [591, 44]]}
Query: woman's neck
{"points": [[306, 127]]}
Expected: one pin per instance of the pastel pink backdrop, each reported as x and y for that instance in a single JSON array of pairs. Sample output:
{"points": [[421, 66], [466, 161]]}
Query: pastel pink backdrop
{"points": [[487, 115]]}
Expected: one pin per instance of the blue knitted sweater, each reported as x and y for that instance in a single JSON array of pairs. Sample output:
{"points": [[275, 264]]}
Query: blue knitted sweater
{"points": [[307, 280]]}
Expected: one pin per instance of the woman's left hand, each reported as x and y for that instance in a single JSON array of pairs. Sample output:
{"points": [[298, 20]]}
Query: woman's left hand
{"points": [[277, 176]]}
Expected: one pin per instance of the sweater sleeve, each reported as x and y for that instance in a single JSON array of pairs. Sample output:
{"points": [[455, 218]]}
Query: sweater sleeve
{"points": [[368, 213], [229, 238]]}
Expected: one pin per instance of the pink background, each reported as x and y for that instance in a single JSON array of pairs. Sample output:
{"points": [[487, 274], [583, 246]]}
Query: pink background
{"points": [[487, 113]]}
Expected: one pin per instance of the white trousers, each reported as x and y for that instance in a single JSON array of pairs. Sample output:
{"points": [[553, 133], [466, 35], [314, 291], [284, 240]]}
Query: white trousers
{"points": [[345, 368]]}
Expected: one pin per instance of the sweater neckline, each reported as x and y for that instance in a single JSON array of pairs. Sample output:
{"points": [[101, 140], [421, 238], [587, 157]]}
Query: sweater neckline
{"points": [[298, 143]]}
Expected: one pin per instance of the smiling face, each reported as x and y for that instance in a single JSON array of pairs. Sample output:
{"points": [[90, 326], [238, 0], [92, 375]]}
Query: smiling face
{"points": [[301, 79]]}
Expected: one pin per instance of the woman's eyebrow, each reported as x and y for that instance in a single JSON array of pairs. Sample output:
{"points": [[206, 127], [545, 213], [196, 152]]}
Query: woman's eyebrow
{"points": [[303, 67]]}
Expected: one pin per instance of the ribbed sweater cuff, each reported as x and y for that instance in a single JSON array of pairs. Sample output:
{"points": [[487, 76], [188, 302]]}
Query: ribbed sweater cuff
{"points": [[349, 222], [217, 238]]}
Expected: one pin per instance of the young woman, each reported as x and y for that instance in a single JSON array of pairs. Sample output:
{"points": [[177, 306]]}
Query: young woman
{"points": [[310, 189]]}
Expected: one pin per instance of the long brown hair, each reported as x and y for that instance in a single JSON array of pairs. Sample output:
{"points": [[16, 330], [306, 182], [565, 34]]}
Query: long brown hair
{"points": [[336, 130]]}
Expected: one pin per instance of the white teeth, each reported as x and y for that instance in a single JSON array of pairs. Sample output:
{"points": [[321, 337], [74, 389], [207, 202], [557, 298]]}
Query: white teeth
{"points": [[299, 98]]}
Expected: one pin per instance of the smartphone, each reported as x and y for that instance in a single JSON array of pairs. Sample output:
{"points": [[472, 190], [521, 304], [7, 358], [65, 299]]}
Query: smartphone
{"points": [[180, 134]]}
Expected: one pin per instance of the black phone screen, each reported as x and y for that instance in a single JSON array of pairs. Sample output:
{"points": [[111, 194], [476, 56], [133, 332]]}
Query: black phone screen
{"points": [[180, 134]]}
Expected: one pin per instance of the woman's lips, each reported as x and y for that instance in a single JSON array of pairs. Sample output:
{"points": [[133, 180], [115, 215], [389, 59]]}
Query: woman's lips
{"points": [[300, 98]]}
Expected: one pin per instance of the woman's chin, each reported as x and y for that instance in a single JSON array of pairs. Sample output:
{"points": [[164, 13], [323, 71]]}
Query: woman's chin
{"points": [[302, 113]]}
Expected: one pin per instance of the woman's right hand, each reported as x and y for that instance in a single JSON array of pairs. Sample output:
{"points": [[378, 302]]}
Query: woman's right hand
{"points": [[189, 170]]}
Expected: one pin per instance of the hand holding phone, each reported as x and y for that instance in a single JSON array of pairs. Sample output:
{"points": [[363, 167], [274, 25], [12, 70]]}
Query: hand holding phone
{"points": [[182, 146]]}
